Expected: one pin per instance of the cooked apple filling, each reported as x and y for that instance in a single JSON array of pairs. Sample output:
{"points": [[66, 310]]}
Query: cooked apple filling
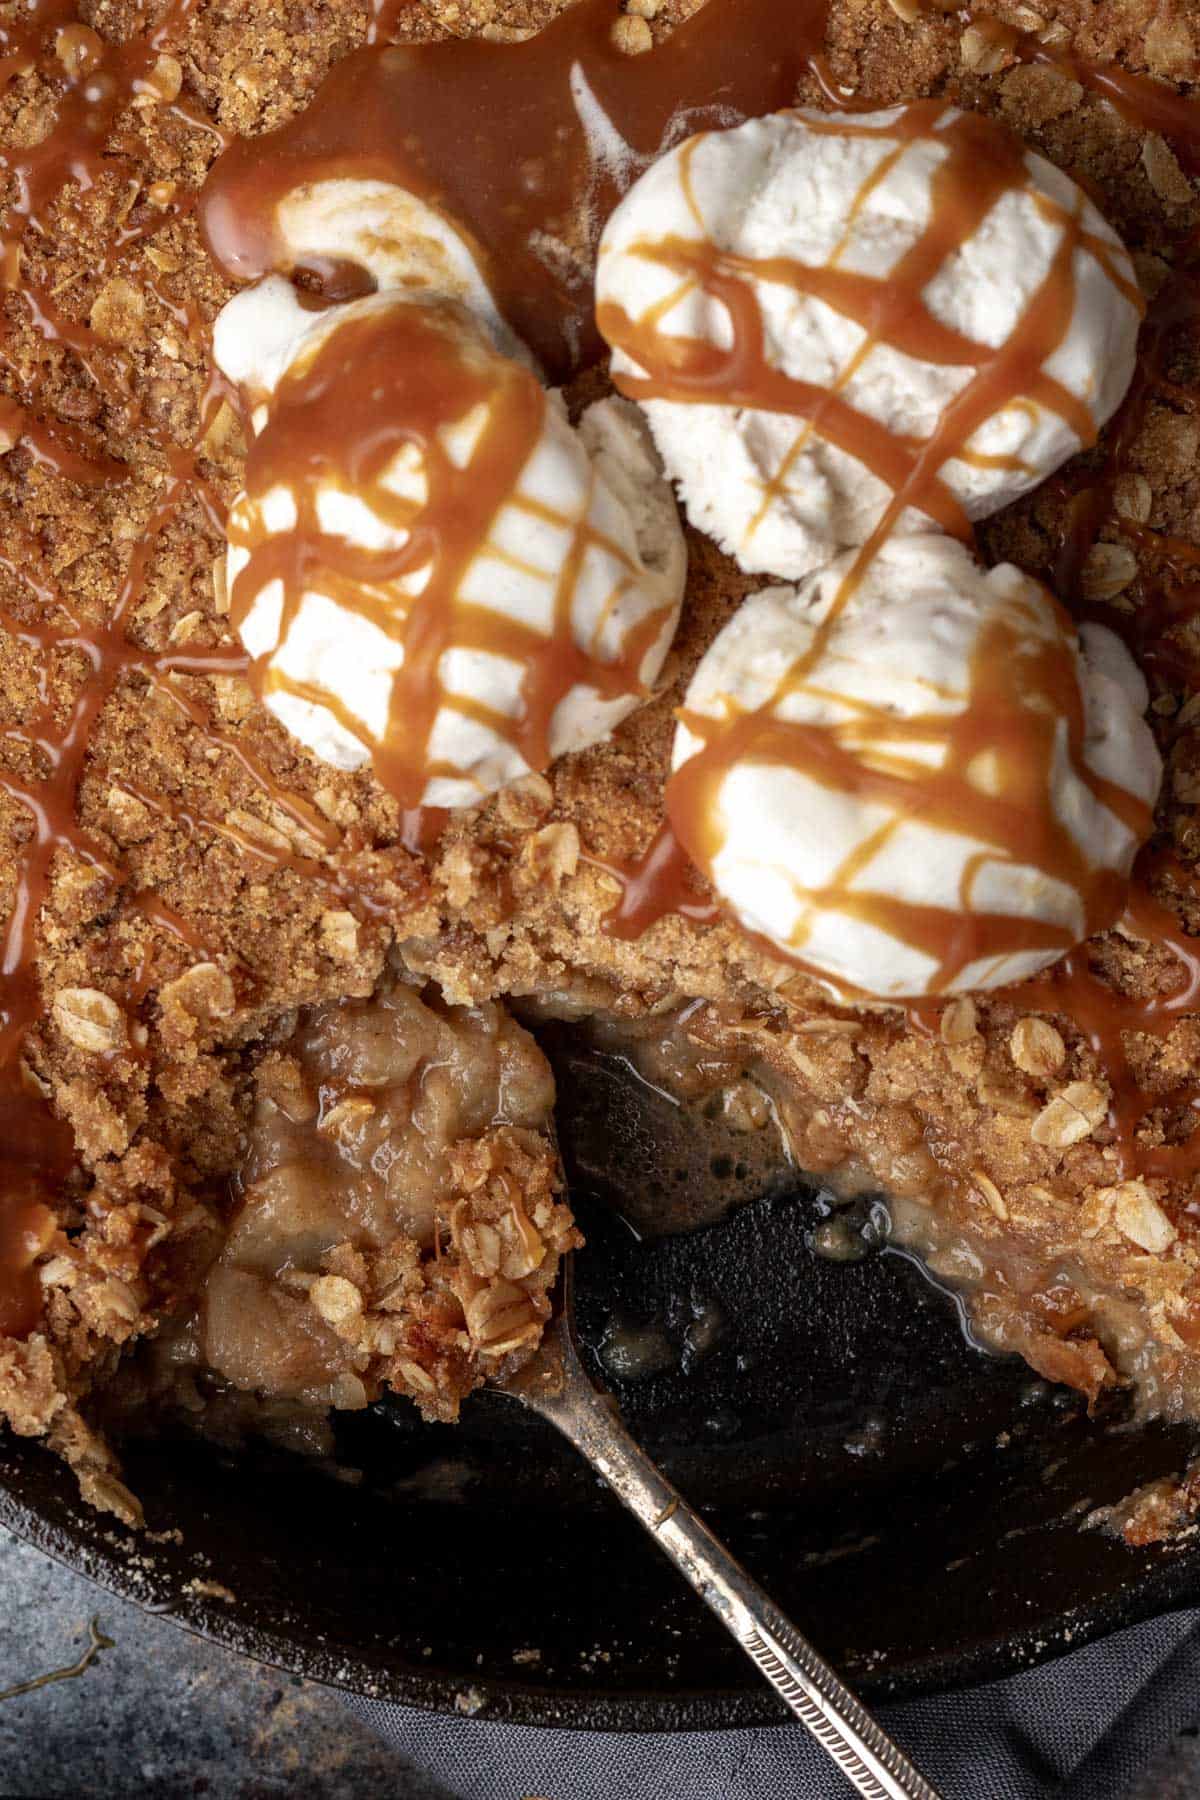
{"points": [[396, 1222]]}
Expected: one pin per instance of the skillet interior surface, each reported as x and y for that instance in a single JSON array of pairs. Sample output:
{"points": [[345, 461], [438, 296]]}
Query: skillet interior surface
{"points": [[917, 1505]]}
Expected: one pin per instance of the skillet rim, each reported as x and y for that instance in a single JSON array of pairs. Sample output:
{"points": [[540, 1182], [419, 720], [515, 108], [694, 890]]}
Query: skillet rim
{"points": [[1168, 1582]]}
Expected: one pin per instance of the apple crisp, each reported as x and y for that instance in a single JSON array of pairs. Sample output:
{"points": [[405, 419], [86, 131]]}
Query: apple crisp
{"points": [[262, 1100]]}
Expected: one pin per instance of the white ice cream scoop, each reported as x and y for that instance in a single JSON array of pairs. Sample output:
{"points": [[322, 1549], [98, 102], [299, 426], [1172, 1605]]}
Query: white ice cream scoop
{"points": [[819, 312], [431, 568], [401, 242], [912, 777]]}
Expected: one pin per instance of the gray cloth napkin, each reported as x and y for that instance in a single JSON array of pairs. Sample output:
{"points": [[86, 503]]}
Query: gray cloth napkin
{"points": [[1081, 1728]]}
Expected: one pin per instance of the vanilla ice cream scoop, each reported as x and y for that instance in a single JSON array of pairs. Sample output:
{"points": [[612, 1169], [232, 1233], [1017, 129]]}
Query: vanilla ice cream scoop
{"points": [[430, 567], [841, 325], [911, 776]]}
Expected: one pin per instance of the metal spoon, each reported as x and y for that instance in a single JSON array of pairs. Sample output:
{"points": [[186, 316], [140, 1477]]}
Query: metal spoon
{"points": [[556, 1385]]}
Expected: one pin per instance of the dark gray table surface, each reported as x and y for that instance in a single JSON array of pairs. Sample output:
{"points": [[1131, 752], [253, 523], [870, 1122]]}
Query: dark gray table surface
{"points": [[163, 1715]]}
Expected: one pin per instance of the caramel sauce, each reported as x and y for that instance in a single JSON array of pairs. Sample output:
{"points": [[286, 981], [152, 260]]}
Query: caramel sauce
{"points": [[55, 447], [1103, 1015], [1172, 595], [492, 136], [417, 373], [660, 882], [1140, 99], [421, 828], [1017, 691], [92, 83], [96, 83], [525, 176]]}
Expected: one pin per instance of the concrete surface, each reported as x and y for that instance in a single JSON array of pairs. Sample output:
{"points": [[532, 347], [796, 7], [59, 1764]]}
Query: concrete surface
{"points": [[163, 1715]]}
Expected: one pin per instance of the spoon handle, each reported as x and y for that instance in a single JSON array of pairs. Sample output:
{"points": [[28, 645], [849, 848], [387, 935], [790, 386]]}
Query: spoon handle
{"points": [[868, 1758]]}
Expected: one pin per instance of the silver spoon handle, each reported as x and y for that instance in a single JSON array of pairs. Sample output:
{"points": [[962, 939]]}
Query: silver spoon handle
{"points": [[842, 1726]]}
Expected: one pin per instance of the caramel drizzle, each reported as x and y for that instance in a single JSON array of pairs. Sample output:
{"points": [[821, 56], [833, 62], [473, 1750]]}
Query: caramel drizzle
{"points": [[1141, 100], [1018, 693], [1149, 106], [1014, 697], [1165, 596], [661, 881], [45, 757], [405, 368], [351, 129], [1103, 1016], [96, 83]]}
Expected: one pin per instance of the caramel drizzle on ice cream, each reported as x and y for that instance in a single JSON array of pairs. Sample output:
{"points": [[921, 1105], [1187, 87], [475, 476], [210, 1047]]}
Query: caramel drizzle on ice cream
{"points": [[991, 781], [1163, 599], [1017, 691], [524, 149], [402, 382]]}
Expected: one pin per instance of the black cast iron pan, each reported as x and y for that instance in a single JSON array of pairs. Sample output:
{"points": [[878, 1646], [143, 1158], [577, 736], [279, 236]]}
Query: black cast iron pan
{"points": [[916, 1505]]}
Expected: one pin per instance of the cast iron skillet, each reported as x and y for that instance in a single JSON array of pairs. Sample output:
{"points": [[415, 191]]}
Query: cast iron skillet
{"points": [[916, 1505]]}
